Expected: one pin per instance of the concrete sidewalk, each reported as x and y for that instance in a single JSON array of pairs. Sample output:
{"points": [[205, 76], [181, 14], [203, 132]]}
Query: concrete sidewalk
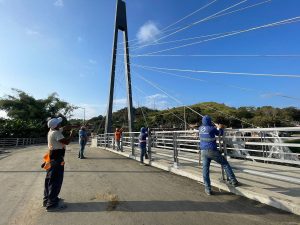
{"points": [[283, 194], [110, 189]]}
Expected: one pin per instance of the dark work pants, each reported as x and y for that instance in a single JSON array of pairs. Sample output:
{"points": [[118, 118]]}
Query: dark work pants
{"points": [[143, 152], [53, 183]]}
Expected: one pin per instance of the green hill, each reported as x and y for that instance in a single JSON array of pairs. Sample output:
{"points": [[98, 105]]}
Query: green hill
{"points": [[173, 118]]}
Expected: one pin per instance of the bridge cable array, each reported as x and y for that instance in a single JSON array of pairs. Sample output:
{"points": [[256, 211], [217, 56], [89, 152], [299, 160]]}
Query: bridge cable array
{"points": [[218, 83], [215, 15], [278, 23], [175, 99], [211, 38]]}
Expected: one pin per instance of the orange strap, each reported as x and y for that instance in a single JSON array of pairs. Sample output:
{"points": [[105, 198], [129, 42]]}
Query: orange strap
{"points": [[47, 160]]}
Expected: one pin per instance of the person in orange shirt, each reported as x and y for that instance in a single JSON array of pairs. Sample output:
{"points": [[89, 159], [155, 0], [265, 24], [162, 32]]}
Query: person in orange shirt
{"points": [[118, 135]]}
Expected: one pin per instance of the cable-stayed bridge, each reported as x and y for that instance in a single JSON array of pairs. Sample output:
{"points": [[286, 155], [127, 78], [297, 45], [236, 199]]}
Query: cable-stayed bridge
{"points": [[109, 187]]}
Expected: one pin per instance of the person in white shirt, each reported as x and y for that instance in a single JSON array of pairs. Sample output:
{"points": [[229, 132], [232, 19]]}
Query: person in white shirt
{"points": [[55, 169]]}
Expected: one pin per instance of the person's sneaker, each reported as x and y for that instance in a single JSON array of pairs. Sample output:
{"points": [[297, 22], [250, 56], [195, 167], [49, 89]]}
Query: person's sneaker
{"points": [[142, 164], [208, 192], [234, 183]]}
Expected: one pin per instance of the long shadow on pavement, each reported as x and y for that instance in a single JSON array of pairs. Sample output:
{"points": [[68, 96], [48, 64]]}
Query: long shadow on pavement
{"points": [[233, 206]]}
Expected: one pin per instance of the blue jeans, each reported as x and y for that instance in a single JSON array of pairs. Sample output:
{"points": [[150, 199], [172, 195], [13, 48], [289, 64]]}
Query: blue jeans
{"points": [[118, 145], [207, 156], [81, 151], [143, 152]]}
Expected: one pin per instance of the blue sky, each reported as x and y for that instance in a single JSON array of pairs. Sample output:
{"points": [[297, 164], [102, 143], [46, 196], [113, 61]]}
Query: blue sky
{"points": [[65, 46]]}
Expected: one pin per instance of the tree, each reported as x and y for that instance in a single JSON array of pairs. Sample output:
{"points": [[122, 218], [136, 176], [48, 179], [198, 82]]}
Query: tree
{"points": [[28, 116], [25, 107]]}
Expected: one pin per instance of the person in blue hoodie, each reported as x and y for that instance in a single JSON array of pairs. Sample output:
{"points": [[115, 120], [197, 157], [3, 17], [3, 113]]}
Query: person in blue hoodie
{"points": [[143, 143], [209, 151]]}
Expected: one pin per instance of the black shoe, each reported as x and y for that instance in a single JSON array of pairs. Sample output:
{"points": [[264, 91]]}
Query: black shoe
{"points": [[59, 200], [234, 183], [57, 207]]}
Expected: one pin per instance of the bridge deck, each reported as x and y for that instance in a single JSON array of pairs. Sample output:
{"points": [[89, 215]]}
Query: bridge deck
{"points": [[107, 188], [271, 184]]}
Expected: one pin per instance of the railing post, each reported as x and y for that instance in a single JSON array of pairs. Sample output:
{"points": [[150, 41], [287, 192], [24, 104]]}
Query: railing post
{"points": [[132, 144], [149, 146], [225, 150], [105, 140], [114, 143], [121, 144], [17, 140], [111, 141], [99, 141], [220, 149], [262, 137], [175, 152]]}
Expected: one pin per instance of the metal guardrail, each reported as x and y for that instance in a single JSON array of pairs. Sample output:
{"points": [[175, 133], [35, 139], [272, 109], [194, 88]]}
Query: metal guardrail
{"points": [[19, 142], [257, 144]]}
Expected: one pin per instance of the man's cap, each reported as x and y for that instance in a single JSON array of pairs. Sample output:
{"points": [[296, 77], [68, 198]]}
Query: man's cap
{"points": [[54, 122]]}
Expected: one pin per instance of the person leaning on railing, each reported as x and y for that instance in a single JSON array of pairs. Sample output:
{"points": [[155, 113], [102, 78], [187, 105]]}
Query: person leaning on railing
{"points": [[209, 151], [143, 144]]}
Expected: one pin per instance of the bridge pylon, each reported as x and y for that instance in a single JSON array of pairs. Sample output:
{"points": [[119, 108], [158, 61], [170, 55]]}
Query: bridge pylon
{"points": [[120, 24]]}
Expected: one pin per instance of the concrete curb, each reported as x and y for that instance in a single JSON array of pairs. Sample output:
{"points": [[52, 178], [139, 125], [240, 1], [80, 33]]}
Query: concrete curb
{"points": [[250, 192]]}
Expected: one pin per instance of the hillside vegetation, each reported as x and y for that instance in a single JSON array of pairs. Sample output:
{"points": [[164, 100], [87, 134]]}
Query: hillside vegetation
{"points": [[266, 116]]}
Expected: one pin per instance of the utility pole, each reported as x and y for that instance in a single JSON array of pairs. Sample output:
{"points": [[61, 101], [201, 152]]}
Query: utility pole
{"points": [[120, 24], [83, 114]]}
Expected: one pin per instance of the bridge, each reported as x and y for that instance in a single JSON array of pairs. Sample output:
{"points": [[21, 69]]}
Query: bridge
{"points": [[110, 188]]}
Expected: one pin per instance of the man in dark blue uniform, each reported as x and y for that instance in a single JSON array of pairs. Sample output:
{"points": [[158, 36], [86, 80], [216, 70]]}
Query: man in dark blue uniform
{"points": [[209, 151], [143, 144]]}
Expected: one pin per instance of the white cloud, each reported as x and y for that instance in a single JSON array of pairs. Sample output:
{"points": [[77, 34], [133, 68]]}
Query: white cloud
{"points": [[59, 3], [157, 101], [270, 95], [148, 32], [91, 61], [3, 114], [91, 110], [31, 32]]}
